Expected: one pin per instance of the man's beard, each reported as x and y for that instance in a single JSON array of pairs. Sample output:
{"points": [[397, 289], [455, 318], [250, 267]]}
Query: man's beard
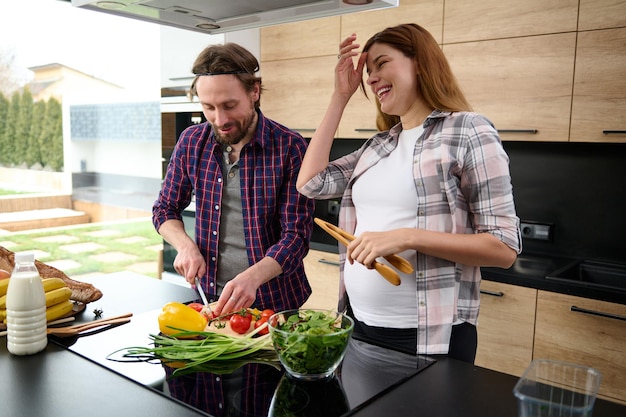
{"points": [[241, 129]]}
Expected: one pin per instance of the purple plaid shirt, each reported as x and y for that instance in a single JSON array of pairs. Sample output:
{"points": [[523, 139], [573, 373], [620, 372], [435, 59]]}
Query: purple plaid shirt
{"points": [[277, 219], [462, 179]]}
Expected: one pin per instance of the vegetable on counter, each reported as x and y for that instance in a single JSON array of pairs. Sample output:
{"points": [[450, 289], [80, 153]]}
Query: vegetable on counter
{"points": [[178, 317], [203, 351]]}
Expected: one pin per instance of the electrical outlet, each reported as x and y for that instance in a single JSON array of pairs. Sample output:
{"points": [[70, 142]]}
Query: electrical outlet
{"points": [[333, 207], [537, 231]]}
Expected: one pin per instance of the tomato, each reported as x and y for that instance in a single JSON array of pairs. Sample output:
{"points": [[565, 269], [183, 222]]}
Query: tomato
{"points": [[240, 324], [259, 323], [4, 274], [196, 306], [267, 313]]}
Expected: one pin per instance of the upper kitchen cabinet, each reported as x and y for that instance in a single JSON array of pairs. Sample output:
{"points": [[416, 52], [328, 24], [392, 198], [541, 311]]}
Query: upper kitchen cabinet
{"points": [[523, 85], [471, 20], [359, 117], [317, 37], [426, 13], [296, 91], [601, 14], [599, 103], [297, 67]]}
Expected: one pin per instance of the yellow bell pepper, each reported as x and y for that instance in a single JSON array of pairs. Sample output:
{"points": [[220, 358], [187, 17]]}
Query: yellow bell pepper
{"points": [[180, 316]]}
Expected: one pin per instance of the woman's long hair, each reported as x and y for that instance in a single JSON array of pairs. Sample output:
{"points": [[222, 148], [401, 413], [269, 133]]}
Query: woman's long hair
{"points": [[436, 82]]}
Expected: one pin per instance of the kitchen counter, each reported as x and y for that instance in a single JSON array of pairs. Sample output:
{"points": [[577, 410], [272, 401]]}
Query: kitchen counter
{"points": [[74, 378], [535, 271]]}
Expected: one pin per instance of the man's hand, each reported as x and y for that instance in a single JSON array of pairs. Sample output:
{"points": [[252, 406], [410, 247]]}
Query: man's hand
{"points": [[240, 292], [190, 263]]}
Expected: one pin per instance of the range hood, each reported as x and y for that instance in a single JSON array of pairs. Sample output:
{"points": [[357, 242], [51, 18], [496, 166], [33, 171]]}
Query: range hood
{"points": [[219, 16]]}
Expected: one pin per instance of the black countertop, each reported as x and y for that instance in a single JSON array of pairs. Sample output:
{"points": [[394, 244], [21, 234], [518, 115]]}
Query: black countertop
{"points": [[537, 270], [72, 377], [451, 388]]}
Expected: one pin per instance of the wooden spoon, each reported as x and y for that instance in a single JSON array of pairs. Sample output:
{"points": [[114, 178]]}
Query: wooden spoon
{"points": [[386, 272]]}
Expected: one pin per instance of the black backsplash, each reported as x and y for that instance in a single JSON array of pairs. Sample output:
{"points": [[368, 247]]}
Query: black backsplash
{"points": [[577, 187]]}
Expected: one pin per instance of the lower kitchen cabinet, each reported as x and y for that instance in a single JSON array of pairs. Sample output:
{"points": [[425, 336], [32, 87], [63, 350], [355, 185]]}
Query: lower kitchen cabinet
{"points": [[322, 270], [587, 332], [506, 327]]}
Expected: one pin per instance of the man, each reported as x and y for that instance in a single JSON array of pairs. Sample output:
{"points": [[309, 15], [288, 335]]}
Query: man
{"points": [[252, 226]]}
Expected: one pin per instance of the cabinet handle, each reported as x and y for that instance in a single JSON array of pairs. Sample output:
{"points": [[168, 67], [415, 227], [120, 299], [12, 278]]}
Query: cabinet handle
{"points": [[326, 261], [366, 130], [306, 129], [614, 132], [494, 293], [531, 131], [597, 313]]}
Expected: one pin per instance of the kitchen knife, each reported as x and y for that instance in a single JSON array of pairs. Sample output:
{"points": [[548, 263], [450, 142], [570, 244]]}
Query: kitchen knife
{"points": [[203, 296]]}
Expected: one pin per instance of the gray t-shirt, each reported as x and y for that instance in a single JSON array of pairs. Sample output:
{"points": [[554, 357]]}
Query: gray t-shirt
{"points": [[232, 255]]}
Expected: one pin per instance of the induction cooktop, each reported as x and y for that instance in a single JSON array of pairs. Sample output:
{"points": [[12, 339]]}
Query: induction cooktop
{"points": [[367, 372]]}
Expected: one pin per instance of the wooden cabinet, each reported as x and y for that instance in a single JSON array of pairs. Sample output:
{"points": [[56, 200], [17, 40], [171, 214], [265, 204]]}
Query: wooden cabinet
{"points": [[599, 101], [506, 327], [322, 270], [601, 14], [586, 332], [298, 61], [523, 85], [309, 38], [298, 99], [541, 71], [471, 20], [426, 13], [296, 91]]}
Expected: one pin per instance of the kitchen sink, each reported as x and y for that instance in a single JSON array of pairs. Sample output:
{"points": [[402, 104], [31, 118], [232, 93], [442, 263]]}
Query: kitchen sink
{"points": [[593, 274], [534, 266]]}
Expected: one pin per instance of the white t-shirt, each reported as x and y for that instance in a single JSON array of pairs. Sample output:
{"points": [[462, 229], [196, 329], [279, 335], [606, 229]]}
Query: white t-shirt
{"points": [[385, 199]]}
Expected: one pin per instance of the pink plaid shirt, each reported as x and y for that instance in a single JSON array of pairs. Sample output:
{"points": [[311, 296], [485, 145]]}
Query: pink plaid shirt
{"points": [[463, 185]]}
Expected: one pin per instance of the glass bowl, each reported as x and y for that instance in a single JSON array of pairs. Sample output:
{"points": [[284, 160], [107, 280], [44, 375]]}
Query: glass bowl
{"points": [[310, 343]]}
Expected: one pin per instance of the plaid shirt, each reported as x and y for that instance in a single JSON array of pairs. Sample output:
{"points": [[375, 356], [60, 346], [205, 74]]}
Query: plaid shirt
{"points": [[463, 186], [277, 219]]}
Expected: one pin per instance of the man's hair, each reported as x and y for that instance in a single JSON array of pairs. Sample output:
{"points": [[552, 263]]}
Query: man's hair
{"points": [[229, 58]]}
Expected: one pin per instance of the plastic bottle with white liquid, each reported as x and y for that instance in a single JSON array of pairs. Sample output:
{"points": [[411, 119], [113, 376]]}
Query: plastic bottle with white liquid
{"points": [[26, 308]]}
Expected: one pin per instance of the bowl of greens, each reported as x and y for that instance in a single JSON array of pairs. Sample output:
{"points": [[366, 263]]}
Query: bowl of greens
{"points": [[310, 344]]}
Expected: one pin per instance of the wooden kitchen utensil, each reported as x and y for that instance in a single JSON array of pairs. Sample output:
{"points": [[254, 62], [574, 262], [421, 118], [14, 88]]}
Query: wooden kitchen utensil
{"points": [[345, 238], [79, 328]]}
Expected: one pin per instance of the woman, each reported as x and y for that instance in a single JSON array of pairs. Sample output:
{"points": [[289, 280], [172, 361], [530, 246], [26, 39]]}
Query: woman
{"points": [[432, 186]]}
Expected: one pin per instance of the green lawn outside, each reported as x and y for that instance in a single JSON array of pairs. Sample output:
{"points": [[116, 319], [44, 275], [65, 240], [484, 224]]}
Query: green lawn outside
{"points": [[137, 238], [11, 192]]}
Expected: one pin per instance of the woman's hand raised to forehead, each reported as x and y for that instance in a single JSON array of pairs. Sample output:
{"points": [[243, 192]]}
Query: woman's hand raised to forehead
{"points": [[347, 76]]}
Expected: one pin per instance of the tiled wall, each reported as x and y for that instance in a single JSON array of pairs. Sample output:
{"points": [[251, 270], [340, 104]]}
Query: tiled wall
{"points": [[116, 121]]}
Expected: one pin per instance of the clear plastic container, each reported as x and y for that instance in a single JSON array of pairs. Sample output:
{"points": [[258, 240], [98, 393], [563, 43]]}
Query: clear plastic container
{"points": [[26, 308], [551, 388]]}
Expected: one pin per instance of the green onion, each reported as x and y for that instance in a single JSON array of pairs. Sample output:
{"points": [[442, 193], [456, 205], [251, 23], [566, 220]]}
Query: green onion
{"points": [[205, 351]]}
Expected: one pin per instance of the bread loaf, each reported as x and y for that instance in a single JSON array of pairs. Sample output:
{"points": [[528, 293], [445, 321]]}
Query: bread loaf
{"points": [[81, 291]]}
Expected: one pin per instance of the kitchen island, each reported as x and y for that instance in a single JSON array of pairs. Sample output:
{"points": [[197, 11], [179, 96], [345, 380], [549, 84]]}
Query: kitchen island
{"points": [[72, 377]]}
